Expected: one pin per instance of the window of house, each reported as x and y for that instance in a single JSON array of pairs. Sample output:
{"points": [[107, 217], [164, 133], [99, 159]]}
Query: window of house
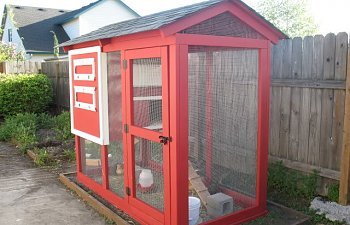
{"points": [[10, 35]]}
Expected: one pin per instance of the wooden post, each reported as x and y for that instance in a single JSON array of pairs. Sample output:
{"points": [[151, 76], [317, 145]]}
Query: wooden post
{"points": [[344, 188]]}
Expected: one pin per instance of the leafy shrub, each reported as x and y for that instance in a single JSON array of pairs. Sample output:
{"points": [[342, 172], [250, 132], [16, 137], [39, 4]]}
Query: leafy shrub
{"points": [[45, 121], [62, 126], [24, 93]]}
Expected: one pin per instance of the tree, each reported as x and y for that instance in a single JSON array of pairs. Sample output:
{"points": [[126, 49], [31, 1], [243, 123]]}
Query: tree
{"points": [[290, 16], [8, 52], [56, 49]]}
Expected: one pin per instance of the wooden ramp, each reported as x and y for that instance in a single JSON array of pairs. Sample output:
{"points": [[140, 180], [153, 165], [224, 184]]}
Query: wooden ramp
{"points": [[197, 184]]}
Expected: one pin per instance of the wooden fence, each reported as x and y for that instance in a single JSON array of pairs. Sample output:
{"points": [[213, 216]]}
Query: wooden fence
{"points": [[57, 72], [307, 102], [20, 67]]}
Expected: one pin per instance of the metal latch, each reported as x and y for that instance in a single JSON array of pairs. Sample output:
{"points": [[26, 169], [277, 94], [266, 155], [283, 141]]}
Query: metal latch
{"points": [[164, 140]]}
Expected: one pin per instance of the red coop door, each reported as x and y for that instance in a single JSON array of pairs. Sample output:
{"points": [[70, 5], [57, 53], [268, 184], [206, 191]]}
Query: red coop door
{"points": [[147, 128], [88, 91]]}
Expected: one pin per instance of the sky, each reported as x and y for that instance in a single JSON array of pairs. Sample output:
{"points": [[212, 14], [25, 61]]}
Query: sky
{"points": [[331, 16]]}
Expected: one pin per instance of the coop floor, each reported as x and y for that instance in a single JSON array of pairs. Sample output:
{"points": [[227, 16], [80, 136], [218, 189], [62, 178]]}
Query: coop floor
{"points": [[278, 214], [154, 197]]}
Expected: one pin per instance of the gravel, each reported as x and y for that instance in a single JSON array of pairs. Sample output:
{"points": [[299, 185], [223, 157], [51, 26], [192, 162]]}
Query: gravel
{"points": [[332, 210]]}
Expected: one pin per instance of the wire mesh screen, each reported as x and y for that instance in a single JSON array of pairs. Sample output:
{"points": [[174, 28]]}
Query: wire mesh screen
{"points": [[148, 174], [147, 113], [91, 160], [224, 24], [115, 148], [147, 93], [223, 85]]}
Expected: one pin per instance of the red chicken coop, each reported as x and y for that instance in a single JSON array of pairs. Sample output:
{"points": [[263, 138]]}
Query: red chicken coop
{"points": [[171, 113]]}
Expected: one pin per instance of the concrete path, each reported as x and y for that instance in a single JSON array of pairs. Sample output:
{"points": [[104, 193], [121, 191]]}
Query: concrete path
{"points": [[33, 196]]}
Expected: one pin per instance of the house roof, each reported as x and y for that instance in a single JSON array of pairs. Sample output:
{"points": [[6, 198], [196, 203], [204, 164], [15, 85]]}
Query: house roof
{"points": [[76, 13], [151, 22], [36, 23]]}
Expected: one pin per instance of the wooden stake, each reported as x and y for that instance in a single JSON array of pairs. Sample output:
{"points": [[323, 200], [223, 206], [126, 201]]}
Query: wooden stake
{"points": [[344, 188]]}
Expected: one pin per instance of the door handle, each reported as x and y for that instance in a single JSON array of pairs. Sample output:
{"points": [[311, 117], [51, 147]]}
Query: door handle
{"points": [[164, 140]]}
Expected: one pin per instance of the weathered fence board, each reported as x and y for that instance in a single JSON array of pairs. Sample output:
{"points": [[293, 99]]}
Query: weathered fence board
{"points": [[20, 67], [57, 72]]}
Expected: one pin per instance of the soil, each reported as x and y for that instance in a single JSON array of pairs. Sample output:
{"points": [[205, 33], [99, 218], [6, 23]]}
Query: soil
{"points": [[48, 140]]}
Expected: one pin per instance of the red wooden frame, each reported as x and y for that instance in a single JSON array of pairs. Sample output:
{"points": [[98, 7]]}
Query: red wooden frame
{"points": [[135, 131], [173, 47]]}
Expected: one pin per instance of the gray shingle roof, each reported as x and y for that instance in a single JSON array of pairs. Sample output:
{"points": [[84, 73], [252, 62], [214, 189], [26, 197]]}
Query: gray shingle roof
{"points": [[35, 25], [146, 23]]}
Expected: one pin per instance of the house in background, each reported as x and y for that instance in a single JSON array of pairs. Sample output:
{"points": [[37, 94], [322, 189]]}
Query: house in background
{"points": [[33, 29]]}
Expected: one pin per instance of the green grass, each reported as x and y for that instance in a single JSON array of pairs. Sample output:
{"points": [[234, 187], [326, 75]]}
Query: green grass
{"points": [[333, 192], [43, 158], [296, 190]]}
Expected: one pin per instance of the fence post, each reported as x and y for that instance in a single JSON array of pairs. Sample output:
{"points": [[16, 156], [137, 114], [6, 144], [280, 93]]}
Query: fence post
{"points": [[344, 187]]}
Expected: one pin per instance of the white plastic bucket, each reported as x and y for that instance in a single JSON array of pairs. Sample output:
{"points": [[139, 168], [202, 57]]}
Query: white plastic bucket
{"points": [[194, 205]]}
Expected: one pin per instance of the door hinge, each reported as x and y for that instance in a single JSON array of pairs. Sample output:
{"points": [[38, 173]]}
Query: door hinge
{"points": [[125, 64], [128, 191], [126, 128]]}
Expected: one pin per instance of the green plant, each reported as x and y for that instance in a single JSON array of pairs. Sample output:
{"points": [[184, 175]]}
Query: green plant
{"points": [[69, 154], [56, 49], [333, 192], [45, 121], [292, 182], [24, 137], [295, 190], [43, 158], [20, 130], [24, 93], [62, 126]]}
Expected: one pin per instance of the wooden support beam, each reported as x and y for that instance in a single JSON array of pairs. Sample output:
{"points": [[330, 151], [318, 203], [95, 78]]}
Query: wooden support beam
{"points": [[344, 189], [318, 84], [90, 200]]}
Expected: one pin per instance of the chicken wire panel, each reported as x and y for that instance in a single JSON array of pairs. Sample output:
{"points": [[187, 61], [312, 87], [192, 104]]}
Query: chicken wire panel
{"points": [[147, 93], [223, 100], [224, 24], [91, 160], [148, 174], [115, 148]]}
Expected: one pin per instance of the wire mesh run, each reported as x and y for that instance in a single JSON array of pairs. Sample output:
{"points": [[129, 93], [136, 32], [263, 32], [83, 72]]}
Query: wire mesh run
{"points": [[147, 93], [223, 87], [224, 24], [91, 160], [116, 148], [148, 174]]}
